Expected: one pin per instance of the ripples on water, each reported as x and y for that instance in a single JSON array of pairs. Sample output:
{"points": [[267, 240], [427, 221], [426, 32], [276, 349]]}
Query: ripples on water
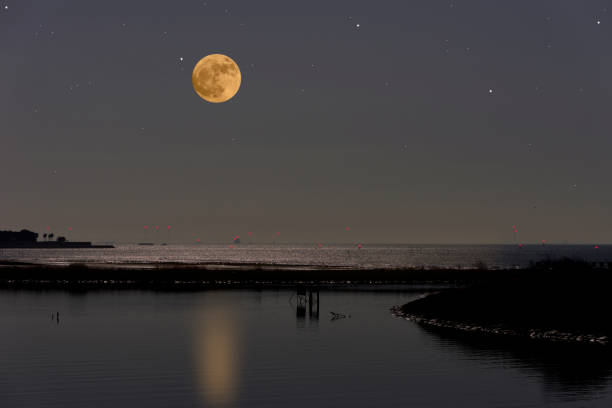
{"points": [[376, 256], [247, 348]]}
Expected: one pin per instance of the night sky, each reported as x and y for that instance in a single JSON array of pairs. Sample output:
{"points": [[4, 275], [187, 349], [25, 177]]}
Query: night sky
{"points": [[408, 121]]}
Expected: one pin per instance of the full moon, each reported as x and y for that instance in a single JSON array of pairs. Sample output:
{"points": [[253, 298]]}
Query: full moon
{"points": [[216, 78]]}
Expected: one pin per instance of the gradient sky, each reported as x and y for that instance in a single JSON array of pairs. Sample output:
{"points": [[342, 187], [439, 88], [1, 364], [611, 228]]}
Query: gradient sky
{"points": [[409, 121]]}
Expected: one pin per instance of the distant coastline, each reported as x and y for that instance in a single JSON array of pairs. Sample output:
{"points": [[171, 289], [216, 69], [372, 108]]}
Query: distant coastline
{"points": [[29, 240], [52, 245]]}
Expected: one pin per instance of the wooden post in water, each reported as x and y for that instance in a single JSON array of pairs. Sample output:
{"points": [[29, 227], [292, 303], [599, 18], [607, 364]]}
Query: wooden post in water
{"points": [[313, 312]]}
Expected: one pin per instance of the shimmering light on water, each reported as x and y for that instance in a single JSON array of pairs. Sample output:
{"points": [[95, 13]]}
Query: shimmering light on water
{"points": [[368, 256]]}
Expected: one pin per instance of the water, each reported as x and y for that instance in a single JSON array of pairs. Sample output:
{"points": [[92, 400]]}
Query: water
{"points": [[247, 348], [370, 256]]}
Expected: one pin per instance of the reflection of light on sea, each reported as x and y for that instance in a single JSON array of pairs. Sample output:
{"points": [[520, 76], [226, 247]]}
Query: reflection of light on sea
{"points": [[218, 357]]}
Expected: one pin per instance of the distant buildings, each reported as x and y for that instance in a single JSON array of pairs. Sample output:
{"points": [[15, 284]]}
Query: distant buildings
{"points": [[18, 236]]}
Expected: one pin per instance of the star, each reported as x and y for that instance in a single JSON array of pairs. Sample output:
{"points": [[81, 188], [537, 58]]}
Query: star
{"points": [[490, 91], [357, 25]]}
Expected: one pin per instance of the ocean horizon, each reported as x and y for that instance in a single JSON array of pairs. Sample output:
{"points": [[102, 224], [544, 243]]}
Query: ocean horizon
{"points": [[371, 256]]}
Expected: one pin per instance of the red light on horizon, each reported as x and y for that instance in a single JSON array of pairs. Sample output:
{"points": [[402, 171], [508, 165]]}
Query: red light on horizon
{"points": [[198, 240], [359, 246], [277, 232], [250, 233], [543, 241], [347, 228], [231, 246], [596, 246], [48, 228], [169, 227], [157, 227], [69, 228], [146, 227]]}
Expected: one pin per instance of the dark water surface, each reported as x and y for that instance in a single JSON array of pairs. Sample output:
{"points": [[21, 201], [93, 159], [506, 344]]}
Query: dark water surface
{"points": [[248, 348]]}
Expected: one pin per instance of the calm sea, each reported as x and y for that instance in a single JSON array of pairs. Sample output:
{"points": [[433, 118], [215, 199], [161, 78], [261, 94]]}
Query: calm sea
{"points": [[248, 348], [370, 256]]}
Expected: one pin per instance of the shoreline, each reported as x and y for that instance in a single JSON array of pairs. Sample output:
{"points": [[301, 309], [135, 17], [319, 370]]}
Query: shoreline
{"points": [[134, 275], [195, 277], [501, 330], [565, 300]]}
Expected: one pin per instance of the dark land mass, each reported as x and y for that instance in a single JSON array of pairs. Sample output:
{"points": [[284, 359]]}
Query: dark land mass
{"points": [[177, 274], [29, 239], [562, 300], [52, 245], [181, 276]]}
